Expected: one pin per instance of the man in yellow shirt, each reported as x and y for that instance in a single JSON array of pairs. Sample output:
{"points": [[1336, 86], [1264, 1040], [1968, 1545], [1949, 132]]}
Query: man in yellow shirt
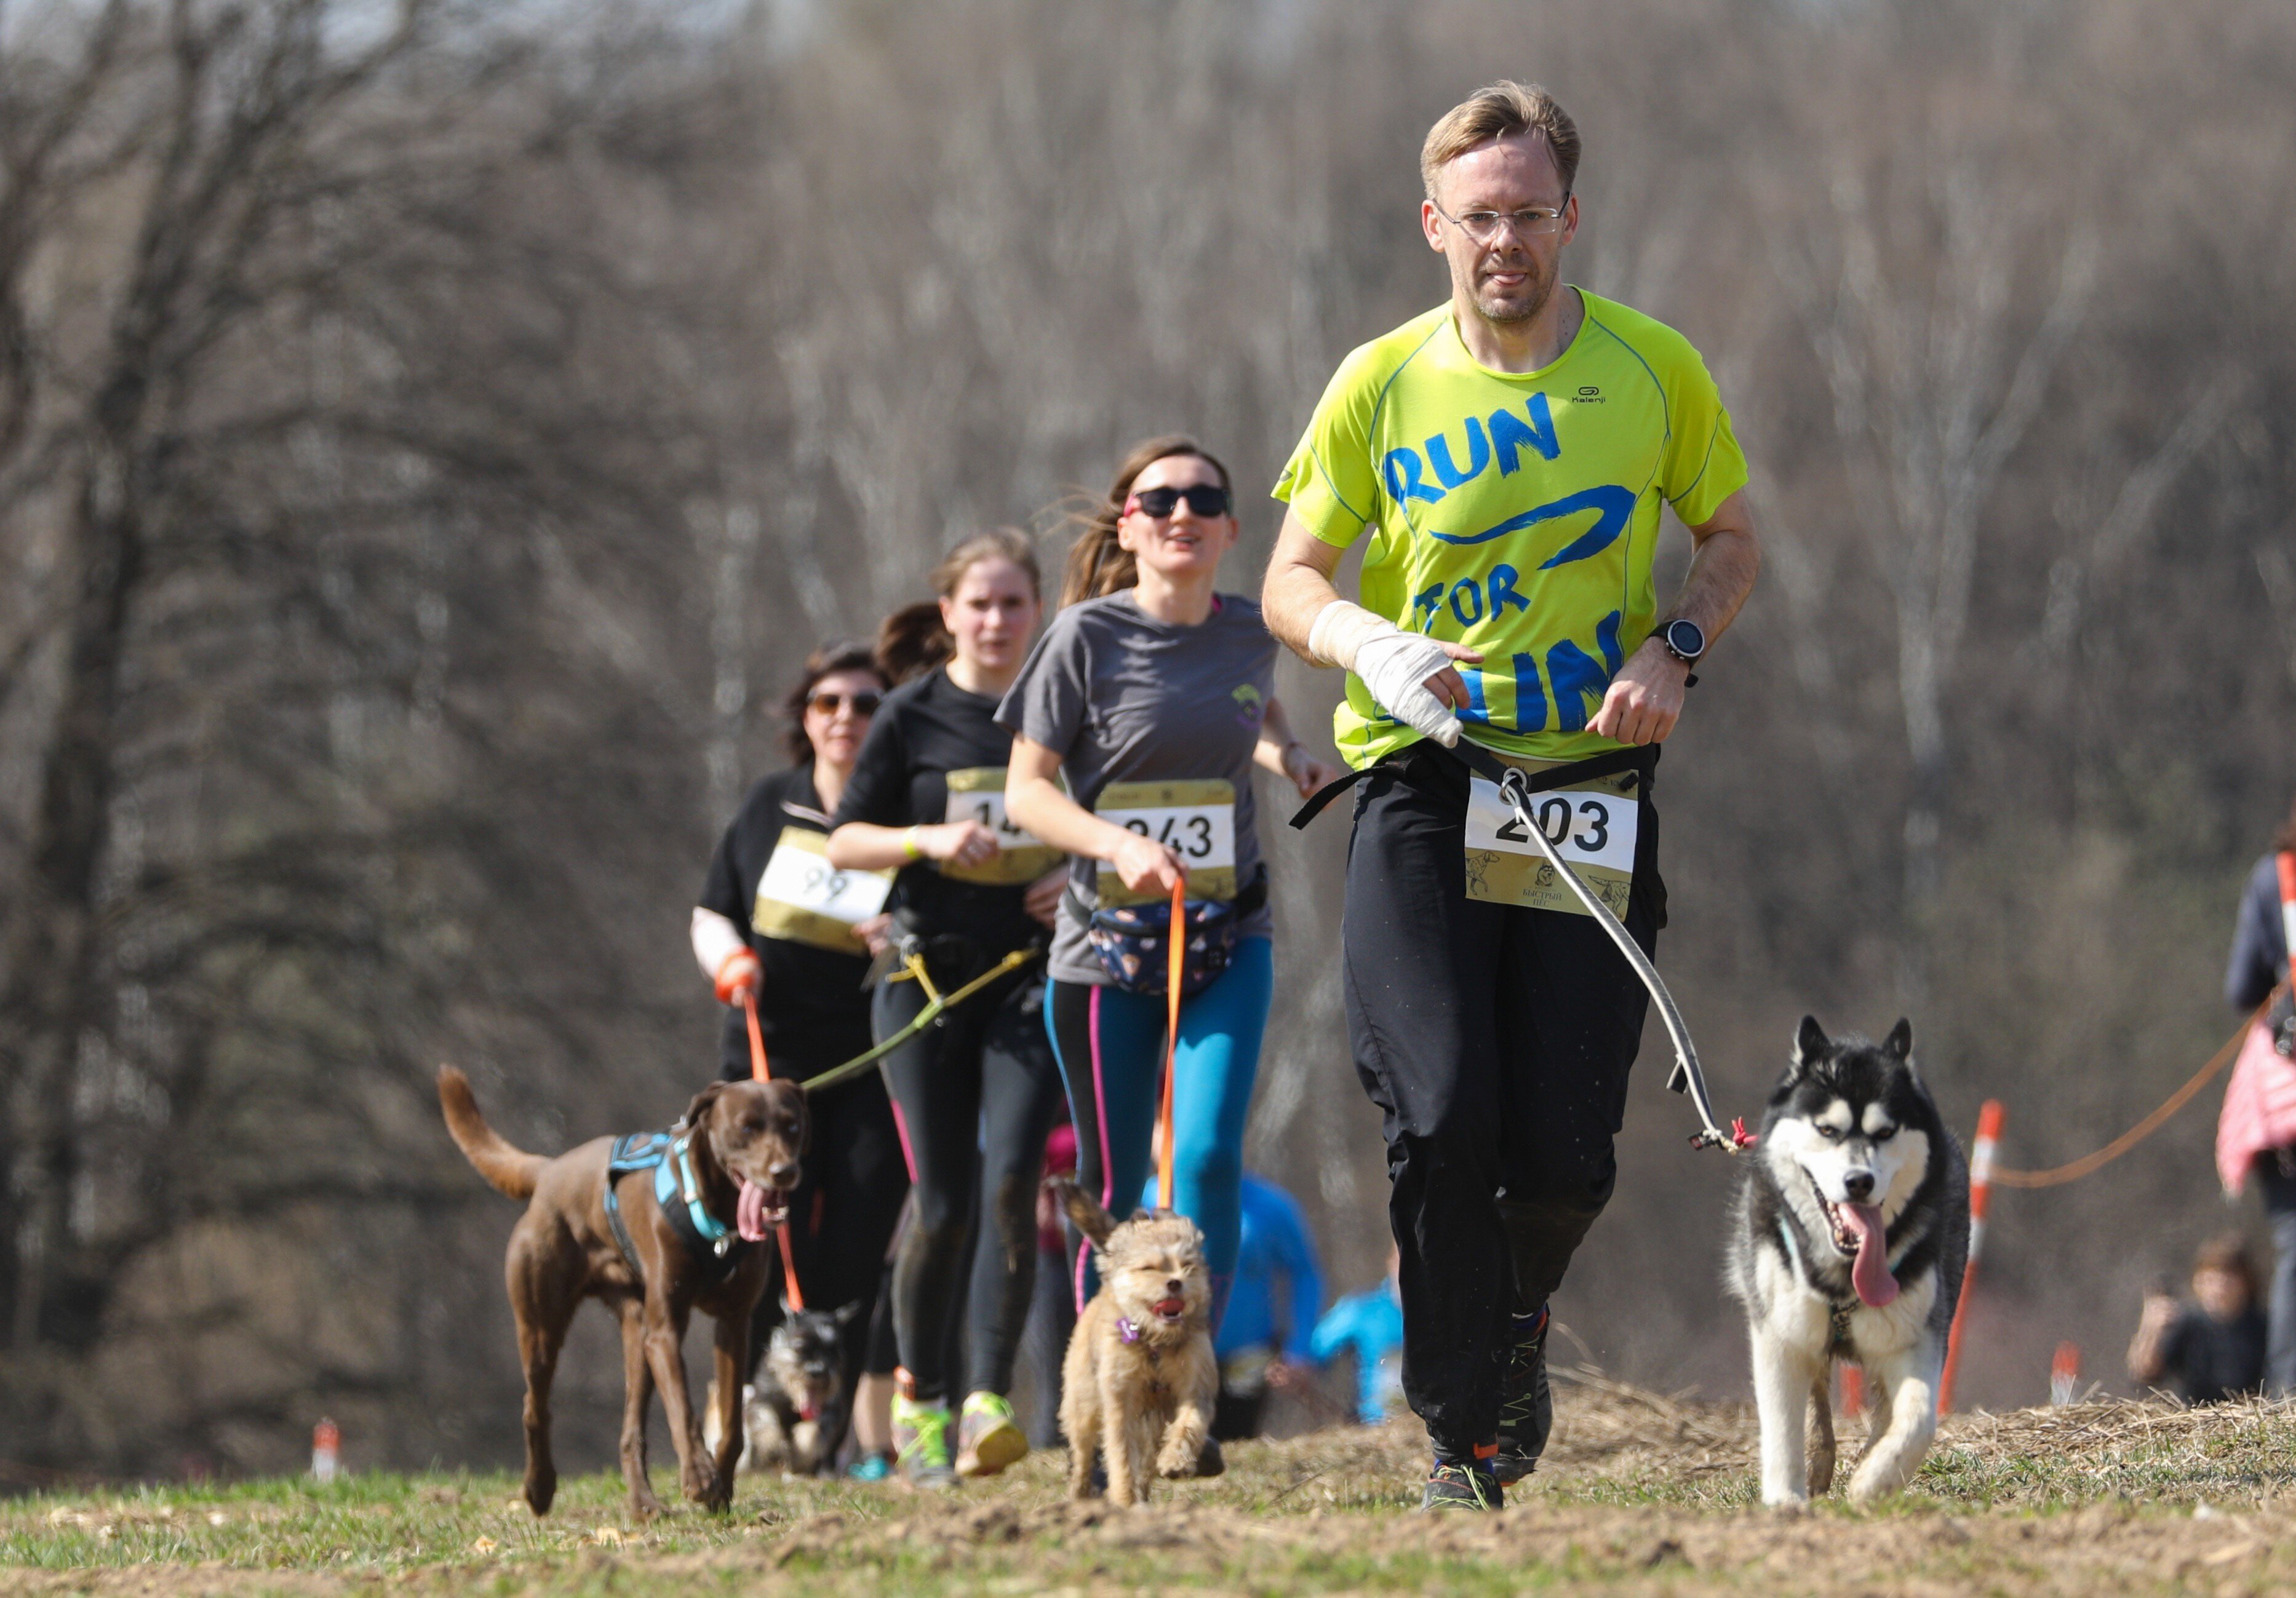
{"points": [[1506, 454]]}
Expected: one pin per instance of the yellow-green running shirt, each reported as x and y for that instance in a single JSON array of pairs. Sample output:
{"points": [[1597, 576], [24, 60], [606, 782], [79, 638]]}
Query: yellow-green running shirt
{"points": [[1516, 514]]}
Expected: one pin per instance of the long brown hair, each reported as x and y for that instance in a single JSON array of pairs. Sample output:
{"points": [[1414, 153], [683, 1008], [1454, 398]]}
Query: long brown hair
{"points": [[1097, 564], [2283, 841], [845, 654], [912, 640]]}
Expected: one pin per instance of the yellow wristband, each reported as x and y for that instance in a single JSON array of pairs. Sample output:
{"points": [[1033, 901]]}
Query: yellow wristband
{"points": [[910, 846]]}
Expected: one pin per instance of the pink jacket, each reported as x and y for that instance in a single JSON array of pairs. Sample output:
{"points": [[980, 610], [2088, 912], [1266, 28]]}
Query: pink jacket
{"points": [[2260, 1108]]}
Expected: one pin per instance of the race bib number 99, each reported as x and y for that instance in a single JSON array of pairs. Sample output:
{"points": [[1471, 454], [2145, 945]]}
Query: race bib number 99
{"points": [[978, 794], [1592, 826], [1195, 820], [805, 899]]}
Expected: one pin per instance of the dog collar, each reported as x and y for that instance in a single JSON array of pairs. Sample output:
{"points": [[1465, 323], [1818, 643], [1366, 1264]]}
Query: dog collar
{"points": [[1125, 1331], [713, 1231]]}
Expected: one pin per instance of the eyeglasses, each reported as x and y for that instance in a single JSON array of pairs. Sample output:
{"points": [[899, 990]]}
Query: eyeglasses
{"points": [[829, 704], [1205, 499], [1484, 227]]}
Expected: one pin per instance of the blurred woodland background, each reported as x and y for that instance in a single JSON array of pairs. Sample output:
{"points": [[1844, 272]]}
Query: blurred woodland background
{"points": [[431, 433]]}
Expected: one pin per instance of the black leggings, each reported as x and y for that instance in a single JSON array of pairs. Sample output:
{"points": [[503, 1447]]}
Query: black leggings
{"points": [[843, 1212], [974, 1097]]}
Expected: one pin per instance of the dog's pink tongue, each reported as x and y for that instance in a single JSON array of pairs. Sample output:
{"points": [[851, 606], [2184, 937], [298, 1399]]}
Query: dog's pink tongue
{"points": [[1869, 1273], [749, 1213]]}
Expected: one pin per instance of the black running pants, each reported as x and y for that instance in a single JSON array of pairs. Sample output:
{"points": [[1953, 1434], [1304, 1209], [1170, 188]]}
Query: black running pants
{"points": [[1497, 1041], [975, 1096]]}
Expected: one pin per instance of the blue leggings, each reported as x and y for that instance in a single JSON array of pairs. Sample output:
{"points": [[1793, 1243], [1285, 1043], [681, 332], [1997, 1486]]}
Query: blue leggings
{"points": [[1110, 1046]]}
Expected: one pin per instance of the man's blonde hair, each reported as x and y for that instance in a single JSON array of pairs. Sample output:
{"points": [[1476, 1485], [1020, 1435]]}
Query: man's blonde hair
{"points": [[1504, 109]]}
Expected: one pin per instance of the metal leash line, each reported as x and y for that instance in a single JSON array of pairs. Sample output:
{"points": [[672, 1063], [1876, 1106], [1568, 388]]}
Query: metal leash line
{"points": [[1513, 786]]}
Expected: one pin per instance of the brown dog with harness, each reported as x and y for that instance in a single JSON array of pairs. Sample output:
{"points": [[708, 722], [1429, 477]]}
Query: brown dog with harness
{"points": [[641, 1224]]}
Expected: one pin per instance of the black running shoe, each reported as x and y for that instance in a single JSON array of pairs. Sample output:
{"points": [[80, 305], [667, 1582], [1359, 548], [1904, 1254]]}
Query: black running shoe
{"points": [[1526, 1402], [1211, 1461], [1470, 1487]]}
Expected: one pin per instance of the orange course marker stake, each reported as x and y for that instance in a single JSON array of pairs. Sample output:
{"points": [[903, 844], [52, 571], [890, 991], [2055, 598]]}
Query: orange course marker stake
{"points": [[1989, 1116], [1174, 954], [762, 1072]]}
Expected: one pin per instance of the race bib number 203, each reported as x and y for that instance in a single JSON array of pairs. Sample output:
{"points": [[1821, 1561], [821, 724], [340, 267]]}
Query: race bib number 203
{"points": [[1593, 826]]}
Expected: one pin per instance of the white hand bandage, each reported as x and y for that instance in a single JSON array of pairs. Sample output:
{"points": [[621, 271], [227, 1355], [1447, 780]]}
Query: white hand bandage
{"points": [[1393, 664]]}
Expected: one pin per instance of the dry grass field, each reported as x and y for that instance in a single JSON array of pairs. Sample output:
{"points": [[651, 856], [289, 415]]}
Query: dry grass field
{"points": [[1642, 1494]]}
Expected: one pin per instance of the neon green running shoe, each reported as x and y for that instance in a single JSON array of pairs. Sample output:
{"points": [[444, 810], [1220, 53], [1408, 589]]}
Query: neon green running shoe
{"points": [[921, 1443], [988, 1438]]}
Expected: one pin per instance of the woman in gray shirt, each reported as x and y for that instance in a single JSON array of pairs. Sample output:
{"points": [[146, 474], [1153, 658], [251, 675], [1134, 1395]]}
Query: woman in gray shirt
{"points": [[1153, 696]]}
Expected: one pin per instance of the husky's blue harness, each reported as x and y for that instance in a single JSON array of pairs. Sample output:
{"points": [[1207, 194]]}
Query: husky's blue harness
{"points": [[669, 1156]]}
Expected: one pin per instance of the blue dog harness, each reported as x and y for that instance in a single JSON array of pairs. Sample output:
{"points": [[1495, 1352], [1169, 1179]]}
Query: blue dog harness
{"points": [[669, 1156]]}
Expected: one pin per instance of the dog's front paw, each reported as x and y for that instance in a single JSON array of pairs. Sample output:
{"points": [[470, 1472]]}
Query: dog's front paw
{"points": [[1177, 1460], [1785, 1504], [704, 1485]]}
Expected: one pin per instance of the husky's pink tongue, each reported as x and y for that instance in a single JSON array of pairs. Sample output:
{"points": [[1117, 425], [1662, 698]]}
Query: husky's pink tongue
{"points": [[750, 1215], [1869, 1273]]}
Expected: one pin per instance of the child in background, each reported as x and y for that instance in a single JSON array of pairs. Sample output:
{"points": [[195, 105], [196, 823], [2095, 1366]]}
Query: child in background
{"points": [[1370, 1324], [2213, 1348]]}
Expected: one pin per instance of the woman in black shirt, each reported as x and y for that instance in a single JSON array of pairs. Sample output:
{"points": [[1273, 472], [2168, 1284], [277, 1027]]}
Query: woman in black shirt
{"points": [[778, 922], [975, 1094]]}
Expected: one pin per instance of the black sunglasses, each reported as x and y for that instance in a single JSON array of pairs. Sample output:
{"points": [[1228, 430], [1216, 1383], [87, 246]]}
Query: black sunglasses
{"points": [[1205, 499], [829, 704]]}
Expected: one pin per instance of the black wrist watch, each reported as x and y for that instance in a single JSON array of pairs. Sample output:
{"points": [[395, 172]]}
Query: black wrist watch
{"points": [[1685, 641]]}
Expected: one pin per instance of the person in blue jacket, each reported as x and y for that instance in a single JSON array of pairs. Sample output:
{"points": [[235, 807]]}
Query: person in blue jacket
{"points": [[1369, 1325], [1263, 1329]]}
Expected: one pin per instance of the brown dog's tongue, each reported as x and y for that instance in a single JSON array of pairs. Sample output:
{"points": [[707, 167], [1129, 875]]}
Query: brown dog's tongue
{"points": [[1869, 1273], [749, 1213]]}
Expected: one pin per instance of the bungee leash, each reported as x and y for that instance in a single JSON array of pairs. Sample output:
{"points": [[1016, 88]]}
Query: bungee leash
{"points": [[937, 1004], [1174, 945], [1515, 787]]}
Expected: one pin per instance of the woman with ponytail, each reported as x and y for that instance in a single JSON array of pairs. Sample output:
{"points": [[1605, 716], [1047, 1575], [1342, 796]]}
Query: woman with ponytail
{"points": [[1153, 695], [975, 1093]]}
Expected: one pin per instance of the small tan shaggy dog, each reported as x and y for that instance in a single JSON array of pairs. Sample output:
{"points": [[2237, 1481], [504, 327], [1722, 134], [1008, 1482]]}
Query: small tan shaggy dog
{"points": [[1140, 1371]]}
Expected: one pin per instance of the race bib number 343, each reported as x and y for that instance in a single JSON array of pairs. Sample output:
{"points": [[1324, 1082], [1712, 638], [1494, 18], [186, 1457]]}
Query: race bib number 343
{"points": [[1194, 819], [1592, 826]]}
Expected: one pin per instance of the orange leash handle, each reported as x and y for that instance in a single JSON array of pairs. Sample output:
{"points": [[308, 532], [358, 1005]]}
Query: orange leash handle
{"points": [[1175, 953], [2286, 862], [762, 1072]]}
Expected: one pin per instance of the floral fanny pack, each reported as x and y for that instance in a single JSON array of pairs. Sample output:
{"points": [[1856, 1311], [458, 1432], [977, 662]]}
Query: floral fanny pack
{"points": [[1131, 941]]}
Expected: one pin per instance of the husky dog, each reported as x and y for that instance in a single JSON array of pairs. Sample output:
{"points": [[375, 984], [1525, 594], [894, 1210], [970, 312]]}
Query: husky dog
{"points": [[1849, 1241]]}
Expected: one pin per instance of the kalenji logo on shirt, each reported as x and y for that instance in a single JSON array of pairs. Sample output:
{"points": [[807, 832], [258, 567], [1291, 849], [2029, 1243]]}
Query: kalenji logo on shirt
{"points": [[1588, 395]]}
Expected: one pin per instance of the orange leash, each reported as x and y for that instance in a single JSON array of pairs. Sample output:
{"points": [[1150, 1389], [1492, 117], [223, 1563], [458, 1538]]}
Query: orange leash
{"points": [[1175, 953], [760, 1071]]}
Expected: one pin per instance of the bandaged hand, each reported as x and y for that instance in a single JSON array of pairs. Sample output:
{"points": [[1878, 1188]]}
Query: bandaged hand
{"points": [[1394, 665]]}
